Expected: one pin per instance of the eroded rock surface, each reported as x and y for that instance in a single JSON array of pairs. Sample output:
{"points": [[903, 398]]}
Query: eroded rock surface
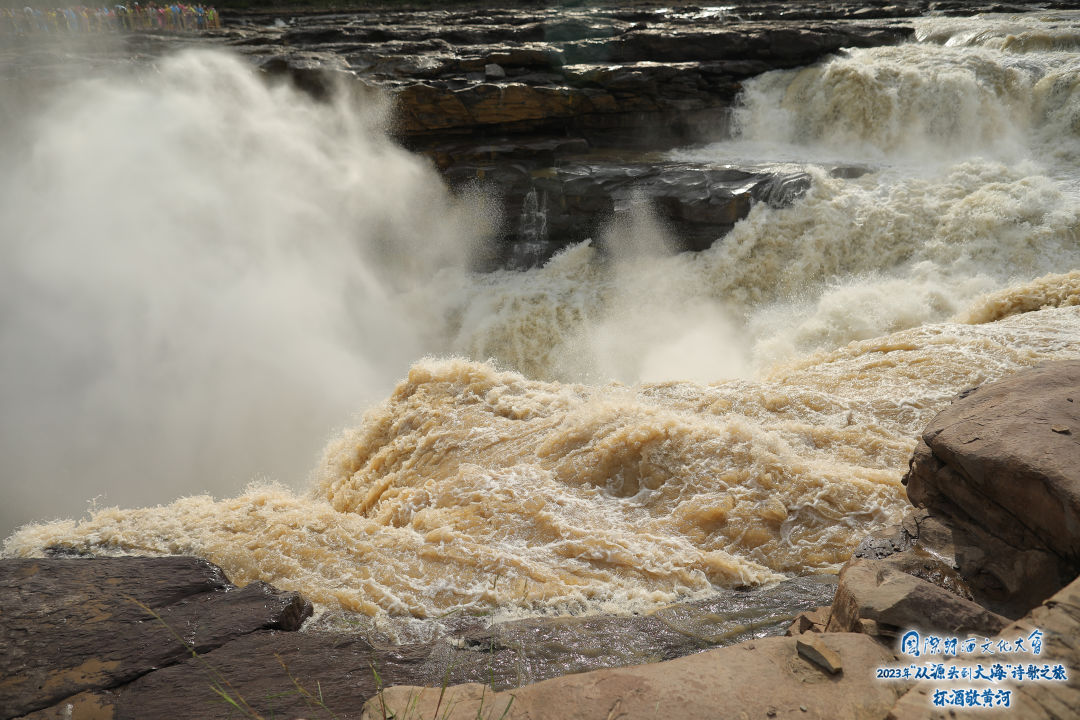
{"points": [[601, 73], [1058, 618], [891, 599], [549, 208], [1000, 469], [69, 625], [762, 678]]}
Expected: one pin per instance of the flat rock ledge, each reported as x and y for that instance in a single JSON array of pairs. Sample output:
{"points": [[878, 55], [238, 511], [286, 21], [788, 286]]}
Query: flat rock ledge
{"points": [[987, 552], [138, 637], [760, 679]]}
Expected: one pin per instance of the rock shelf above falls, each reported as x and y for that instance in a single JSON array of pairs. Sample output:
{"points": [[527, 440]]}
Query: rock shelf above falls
{"points": [[518, 100], [555, 111]]}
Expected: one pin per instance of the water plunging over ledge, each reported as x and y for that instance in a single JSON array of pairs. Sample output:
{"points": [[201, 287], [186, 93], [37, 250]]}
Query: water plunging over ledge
{"points": [[238, 267]]}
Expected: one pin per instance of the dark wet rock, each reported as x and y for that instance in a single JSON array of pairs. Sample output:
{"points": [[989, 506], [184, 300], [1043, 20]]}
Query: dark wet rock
{"points": [[577, 71], [513, 653], [923, 546], [78, 644], [341, 654], [463, 156], [312, 75], [1000, 470], [548, 208], [700, 203], [75, 624], [889, 540], [581, 72], [270, 674], [849, 172]]}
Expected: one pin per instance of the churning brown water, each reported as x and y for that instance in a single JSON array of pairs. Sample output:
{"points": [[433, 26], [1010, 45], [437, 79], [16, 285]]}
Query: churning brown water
{"points": [[606, 432]]}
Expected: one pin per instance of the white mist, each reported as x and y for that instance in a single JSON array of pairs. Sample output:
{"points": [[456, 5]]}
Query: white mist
{"points": [[202, 275]]}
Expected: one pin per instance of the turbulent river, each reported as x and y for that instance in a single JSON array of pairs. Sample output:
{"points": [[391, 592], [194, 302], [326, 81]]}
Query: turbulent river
{"points": [[204, 276]]}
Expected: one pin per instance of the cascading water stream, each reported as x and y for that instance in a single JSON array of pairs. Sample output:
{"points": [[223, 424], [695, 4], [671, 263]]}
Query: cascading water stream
{"points": [[600, 433]]}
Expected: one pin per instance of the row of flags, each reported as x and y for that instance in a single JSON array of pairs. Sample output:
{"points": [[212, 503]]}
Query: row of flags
{"points": [[175, 17]]}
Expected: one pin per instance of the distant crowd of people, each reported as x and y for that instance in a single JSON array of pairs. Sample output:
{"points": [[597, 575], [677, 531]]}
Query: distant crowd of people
{"points": [[175, 17]]}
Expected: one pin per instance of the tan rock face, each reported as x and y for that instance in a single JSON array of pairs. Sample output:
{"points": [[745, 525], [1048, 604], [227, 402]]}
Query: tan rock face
{"points": [[811, 621], [816, 651], [422, 107], [996, 469], [894, 600], [763, 678], [1009, 457], [1059, 620]]}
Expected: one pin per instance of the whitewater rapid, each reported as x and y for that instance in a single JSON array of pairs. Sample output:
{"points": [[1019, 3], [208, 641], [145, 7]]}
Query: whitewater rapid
{"points": [[610, 431]]}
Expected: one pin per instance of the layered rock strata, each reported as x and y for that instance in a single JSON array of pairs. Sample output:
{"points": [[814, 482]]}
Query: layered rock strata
{"points": [[519, 102], [516, 100], [612, 75], [69, 626]]}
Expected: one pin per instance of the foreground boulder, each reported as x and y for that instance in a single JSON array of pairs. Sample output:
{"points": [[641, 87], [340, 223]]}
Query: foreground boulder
{"points": [[995, 480], [1059, 620], [999, 469], [770, 677], [877, 598]]}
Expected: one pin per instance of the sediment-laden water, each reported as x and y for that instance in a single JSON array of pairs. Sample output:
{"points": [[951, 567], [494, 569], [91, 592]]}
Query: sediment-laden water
{"points": [[237, 269]]}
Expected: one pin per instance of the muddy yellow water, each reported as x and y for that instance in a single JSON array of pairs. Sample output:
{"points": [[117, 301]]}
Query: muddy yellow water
{"points": [[475, 487], [613, 431]]}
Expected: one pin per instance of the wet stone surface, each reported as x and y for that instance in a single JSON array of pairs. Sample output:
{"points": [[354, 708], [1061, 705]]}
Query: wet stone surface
{"points": [[82, 646], [513, 653], [577, 199]]}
